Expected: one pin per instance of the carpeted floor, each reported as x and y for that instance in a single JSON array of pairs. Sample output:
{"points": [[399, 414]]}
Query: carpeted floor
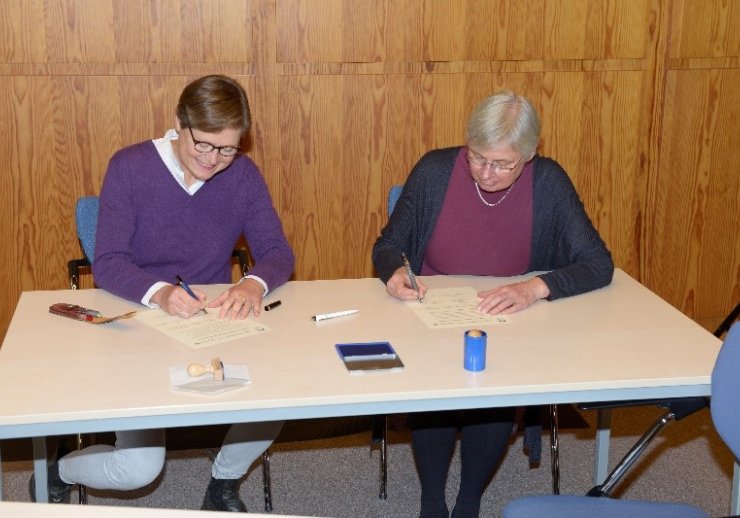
{"points": [[338, 477]]}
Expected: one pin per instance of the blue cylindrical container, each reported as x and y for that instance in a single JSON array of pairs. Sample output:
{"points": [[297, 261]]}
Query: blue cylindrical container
{"points": [[475, 350]]}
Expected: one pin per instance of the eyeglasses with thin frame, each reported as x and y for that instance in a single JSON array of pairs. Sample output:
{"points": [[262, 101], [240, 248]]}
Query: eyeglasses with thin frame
{"points": [[480, 162], [207, 147]]}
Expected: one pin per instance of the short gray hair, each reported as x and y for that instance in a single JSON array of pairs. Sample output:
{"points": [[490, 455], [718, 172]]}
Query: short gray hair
{"points": [[505, 118]]}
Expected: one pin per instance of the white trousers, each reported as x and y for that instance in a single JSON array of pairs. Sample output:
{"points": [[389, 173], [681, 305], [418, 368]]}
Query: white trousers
{"points": [[138, 457]]}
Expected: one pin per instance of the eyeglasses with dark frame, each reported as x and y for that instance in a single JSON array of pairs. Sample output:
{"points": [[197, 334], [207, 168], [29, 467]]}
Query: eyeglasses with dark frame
{"points": [[480, 161], [207, 147]]}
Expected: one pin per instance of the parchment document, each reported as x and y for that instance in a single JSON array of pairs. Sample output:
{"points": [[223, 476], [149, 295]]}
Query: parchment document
{"points": [[200, 330], [454, 307]]}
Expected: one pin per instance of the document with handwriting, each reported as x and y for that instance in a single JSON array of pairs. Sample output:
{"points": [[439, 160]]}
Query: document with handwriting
{"points": [[201, 330], [454, 307]]}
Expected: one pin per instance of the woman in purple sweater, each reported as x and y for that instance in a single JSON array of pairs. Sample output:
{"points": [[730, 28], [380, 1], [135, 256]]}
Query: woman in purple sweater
{"points": [[176, 206], [492, 207]]}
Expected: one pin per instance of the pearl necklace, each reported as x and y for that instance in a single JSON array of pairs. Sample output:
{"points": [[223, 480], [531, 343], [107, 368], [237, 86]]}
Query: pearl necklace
{"points": [[480, 195]]}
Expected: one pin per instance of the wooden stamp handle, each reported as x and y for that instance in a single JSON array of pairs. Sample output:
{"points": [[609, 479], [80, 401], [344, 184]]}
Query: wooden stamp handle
{"points": [[215, 367]]}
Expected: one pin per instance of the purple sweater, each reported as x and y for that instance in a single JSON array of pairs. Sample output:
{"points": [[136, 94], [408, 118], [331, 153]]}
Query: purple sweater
{"points": [[150, 229]]}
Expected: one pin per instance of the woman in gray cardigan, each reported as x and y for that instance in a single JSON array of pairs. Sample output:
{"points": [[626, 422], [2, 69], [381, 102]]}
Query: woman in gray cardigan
{"points": [[492, 207]]}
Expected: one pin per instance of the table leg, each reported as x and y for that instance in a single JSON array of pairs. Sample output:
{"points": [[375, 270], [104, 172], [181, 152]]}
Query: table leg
{"points": [[603, 433], [735, 490], [1, 472], [554, 450], [39, 468]]}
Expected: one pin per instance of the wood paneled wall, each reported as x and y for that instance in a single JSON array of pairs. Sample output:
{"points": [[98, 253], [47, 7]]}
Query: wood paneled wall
{"points": [[639, 101]]}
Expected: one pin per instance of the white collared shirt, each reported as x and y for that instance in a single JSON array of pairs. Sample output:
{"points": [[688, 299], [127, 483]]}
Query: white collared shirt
{"points": [[167, 154]]}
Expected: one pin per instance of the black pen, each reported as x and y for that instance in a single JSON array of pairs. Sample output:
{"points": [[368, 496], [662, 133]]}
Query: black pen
{"points": [[272, 305], [412, 277], [187, 289]]}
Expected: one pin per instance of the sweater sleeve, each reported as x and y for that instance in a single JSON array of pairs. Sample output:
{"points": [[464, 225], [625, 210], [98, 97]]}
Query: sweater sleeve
{"points": [[274, 260], [410, 226], [114, 267], [564, 240], [395, 238]]}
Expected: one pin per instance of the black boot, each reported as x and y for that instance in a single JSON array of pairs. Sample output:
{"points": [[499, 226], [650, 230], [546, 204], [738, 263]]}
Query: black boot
{"points": [[223, 495], [58, 488]]}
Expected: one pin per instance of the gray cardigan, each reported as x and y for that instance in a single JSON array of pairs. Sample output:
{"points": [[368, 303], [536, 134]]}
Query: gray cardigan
{"points": [[564, 241]]}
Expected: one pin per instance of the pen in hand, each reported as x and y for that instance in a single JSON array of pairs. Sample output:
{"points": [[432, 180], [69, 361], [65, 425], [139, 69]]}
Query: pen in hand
{"points": [[412, 277], [187, 289]]}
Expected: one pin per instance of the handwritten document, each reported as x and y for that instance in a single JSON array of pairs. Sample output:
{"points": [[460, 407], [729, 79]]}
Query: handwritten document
{"points": [[201, 330], [454, 307]]}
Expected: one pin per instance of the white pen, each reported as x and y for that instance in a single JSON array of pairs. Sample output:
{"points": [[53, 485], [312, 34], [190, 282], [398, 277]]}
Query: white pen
{"points": [[326, 316]]}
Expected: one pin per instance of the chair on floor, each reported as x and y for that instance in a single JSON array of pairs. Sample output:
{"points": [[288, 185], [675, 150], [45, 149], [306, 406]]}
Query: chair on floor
{"points": [[675, 410], [725, 387]]}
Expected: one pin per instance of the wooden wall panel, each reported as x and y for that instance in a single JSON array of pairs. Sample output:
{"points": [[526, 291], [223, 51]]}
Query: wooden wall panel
{"points": [[126, 31], [589, 125], [639, 102], [24, 40], [447, 100], [337, 165], [30, 201], [79, 32], [574, 29], [341, 31], [695, 248], [465, 30], [533, 30], [705, 29]]}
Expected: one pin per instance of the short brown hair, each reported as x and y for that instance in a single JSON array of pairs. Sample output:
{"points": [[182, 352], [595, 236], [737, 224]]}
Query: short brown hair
{"points": [[214, 103]]}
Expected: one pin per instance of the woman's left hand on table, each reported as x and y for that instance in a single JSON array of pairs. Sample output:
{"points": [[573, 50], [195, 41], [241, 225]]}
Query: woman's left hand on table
{"points": [[240, 300], [511, 298]]}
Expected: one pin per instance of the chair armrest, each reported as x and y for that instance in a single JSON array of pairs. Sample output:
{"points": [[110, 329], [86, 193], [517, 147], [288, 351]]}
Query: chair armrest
{"points": [[73, 271]]}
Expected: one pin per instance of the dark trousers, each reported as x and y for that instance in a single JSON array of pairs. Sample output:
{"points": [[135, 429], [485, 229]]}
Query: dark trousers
{"points": [[484, 437]]}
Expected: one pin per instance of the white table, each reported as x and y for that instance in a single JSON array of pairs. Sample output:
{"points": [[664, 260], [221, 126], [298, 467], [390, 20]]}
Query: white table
{"points": [[621, 342]]}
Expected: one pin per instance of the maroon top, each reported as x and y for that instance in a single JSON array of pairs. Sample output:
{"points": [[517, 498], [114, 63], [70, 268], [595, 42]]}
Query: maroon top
{"points": [[471, 238]]}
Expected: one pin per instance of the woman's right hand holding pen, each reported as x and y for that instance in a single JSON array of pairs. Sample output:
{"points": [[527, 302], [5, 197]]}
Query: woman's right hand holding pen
{"points": [[175, 301], [400, 286]]}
